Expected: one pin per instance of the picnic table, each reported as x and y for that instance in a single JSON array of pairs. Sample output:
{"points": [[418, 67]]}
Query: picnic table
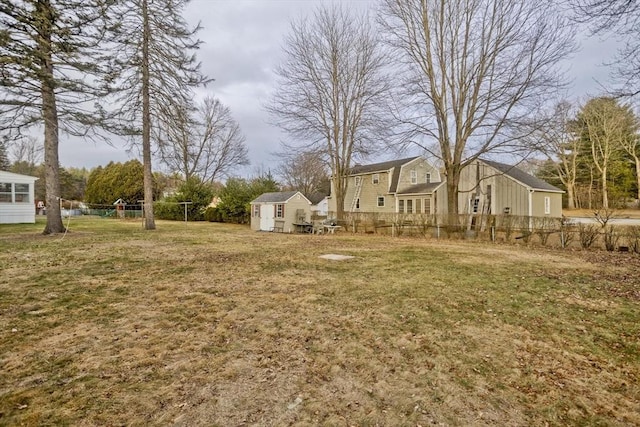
{"points": [[331, 229]]}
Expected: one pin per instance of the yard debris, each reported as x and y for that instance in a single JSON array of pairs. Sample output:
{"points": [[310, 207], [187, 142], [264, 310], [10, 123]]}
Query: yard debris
{"points": [[336, 257], [295, 403]]}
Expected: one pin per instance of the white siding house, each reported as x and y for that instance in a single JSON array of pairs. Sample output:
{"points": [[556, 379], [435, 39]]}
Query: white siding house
{"points": [[17, 198]]}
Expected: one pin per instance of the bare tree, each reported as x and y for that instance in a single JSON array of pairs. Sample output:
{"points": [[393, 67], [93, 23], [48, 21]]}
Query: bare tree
{"points": [[473, 70], [51, 74], [206, 142], [155, 69], [558, 142], [304, 172], [622, 18], [27, 149], [331, 91], [632, 146], [606, 126]]}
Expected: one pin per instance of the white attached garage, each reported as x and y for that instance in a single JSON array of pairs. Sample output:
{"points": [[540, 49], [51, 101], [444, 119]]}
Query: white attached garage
{"points": [[17, 198]]}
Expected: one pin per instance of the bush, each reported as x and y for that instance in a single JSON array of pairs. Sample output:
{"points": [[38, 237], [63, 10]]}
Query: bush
{"points": [[198, 193], [212, 214]]}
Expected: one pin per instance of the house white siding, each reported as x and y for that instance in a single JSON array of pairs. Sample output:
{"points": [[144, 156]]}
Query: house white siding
{"points": [[17, 198]]}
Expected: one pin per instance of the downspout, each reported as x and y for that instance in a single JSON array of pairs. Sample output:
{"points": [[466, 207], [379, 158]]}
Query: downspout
{"points": [[531, 209]]}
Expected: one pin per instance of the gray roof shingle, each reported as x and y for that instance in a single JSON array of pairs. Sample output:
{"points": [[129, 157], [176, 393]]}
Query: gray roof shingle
{"points": [[424, 188], [278, 197], [522, 177]]}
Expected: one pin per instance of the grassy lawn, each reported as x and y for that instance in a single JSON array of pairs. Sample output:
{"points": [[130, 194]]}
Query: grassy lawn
{"points": [[211, 324]]}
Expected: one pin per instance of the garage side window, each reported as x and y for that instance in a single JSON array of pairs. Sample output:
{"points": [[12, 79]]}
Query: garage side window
{"points": [[22, 193], [5, 192], [256, 211], [279, 211]]}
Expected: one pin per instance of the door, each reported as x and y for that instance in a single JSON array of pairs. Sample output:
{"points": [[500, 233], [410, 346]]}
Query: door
{"points": [[266, 217]]}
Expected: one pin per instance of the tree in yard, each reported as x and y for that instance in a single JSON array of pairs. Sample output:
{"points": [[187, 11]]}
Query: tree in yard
{"points": [[27, 149], [305, 172], [205, 142], [472, 72], [622, 19], [197, 193], [332, 90], [115, 181], [558, 142], [156, 70], [606, 127], [4, 156], [51, 74]]}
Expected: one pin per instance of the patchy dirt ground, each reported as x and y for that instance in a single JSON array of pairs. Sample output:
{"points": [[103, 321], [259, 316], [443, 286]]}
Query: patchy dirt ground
{"points": [[217, 325]]}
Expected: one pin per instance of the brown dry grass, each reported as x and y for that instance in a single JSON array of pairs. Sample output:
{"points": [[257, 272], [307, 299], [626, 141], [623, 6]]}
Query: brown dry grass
{"points": [[213, 324]]}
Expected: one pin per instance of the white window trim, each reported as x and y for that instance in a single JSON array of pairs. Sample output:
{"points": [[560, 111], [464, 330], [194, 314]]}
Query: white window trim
{"points": [[375, 178], [383, 201], [414, 176]]}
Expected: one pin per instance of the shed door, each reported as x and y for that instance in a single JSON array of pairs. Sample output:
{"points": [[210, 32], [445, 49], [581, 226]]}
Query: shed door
{"points": [[266, 217]]}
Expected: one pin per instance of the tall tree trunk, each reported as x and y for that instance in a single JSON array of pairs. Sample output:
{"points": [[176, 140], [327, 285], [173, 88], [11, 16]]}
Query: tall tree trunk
{"points": [[50, 115], [605, 190], [637, 160], [571, 198], [149, 222], [453, 181]]}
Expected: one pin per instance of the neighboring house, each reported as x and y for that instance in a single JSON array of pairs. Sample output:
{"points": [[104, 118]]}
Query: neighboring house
{"points": [[17, 198], [498, 188], [319, 204], [280, 211], [410, 185]]}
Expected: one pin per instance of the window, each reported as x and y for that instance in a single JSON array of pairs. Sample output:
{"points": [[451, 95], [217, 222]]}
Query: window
{"points": [[381, 201], [21, 193], [409, 206], [400, 206], [547, 205], [418, 206], [375, 178], [476, 204], [358, 180], [256, 211], [280, 211], [427, 177], [414, 177], [427, 206], [358, 203], [5, 192]]}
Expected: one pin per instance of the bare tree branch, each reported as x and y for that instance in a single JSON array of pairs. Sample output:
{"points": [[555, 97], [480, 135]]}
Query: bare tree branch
{"points": [[472, 73], [332, 90]]}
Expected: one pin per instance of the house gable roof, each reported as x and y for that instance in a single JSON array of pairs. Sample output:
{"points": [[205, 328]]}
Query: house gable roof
{"points": [[522, 177], [380, 167], [394, 165], [316, 197], [278, 197]]}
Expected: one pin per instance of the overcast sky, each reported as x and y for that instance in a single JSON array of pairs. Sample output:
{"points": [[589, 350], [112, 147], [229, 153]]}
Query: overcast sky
{"points": [[242, 46]]}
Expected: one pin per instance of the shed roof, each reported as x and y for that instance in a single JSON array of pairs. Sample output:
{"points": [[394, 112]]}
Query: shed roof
{"points": [[523, 177], [277, 197]]}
